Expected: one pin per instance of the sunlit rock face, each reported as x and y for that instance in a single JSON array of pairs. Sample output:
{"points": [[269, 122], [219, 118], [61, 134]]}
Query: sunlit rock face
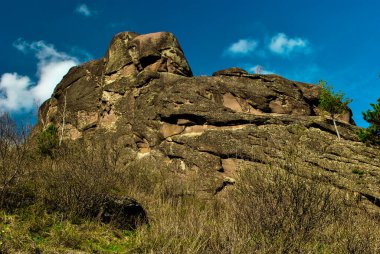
{"points": [[157, 52], [142, 100]]}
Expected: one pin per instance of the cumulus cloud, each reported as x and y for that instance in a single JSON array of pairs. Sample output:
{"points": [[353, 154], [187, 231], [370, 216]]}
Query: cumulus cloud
{"points": [[84, 10], [282, 45], [50, 75], [14, 89], [242, 47], [18, 92]]}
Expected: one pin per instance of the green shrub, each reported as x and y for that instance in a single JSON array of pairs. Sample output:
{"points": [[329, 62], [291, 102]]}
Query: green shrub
{"points": [[48, 140], [334, 104], [358, 172]]}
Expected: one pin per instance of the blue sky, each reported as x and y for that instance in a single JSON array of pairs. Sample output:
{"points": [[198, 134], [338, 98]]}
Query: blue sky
{"points": [[336, 41]]}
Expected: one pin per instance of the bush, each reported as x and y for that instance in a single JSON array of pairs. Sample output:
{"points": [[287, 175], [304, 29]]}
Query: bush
{"points": [[284, 213], [48, 140], [14, 161], [332, 103], [78, 180]]}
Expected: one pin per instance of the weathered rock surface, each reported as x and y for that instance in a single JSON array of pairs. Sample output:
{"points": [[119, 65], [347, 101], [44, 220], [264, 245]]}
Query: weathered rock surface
{"points": [[142, 98], [234, 71]]}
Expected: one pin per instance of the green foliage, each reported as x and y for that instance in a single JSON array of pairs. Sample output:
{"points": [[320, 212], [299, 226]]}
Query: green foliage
{"points": [[373, 116], [372, 133], [333, 103], [363, 135], [48, 140], [27, 232], [358, 172]]}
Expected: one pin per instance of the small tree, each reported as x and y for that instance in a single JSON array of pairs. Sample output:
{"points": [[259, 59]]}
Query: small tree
{"points": [[14, 160], [372, 133], [334, 104], [48, 140]]}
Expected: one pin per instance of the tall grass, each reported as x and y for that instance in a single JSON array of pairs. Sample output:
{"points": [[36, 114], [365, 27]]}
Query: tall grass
{"points": [[265, 212]]}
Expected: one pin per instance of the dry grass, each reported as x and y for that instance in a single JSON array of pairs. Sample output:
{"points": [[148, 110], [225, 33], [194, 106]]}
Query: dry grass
{"points": [[266, 211], [78, 180]]}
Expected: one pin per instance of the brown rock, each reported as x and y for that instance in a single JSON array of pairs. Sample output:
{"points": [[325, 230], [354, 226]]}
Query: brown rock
{"points": [[235, 71], [156, 52], [117, 55], [212, 125]]}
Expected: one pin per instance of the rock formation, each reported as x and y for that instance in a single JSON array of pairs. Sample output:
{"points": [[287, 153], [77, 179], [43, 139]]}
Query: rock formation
{"points": [[142, 98]]}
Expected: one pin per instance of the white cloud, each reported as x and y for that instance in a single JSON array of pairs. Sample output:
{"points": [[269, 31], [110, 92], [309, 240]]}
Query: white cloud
{"points": [[50, 75], [282, 45], [15, 89], [19, 92], [259, 69], [21, 45], [84, 10], [242, 47]]}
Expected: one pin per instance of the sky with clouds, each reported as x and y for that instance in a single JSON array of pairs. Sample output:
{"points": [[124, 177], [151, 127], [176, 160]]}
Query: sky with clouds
{"points": [[308, 41]]}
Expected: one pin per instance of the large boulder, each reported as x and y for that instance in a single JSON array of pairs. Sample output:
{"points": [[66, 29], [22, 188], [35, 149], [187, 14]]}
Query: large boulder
{"points": [[142, 99], [132, 53]]}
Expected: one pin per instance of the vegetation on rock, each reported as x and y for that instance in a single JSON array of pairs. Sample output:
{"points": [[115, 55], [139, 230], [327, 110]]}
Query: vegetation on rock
{"points": [[334, 104], [48, 140]]}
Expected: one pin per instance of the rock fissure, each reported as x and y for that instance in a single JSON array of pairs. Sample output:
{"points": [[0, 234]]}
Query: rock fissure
{"points": [[374, 200], [321, 127], [322, 167], [175, 157], [184, 119], [239, 156], [351, 161]]}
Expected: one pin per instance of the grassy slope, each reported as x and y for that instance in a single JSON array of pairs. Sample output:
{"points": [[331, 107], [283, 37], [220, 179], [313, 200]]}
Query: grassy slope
{"points": [[46, 204]]}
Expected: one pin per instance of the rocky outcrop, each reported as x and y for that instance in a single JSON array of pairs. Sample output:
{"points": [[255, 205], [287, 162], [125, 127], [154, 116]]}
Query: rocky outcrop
{"points": [[234, 71], [131, 53], [142, 99]]}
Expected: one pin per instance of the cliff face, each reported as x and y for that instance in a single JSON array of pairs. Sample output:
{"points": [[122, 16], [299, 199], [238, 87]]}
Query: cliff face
{"points": [[142, 99]]}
